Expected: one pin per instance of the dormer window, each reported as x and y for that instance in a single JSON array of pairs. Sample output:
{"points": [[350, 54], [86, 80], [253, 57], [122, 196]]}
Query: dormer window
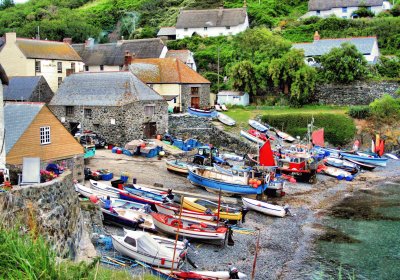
{"points": [[344, 10]]}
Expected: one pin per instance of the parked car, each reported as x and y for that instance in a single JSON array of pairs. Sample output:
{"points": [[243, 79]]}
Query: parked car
{"points": [[91, 138]]}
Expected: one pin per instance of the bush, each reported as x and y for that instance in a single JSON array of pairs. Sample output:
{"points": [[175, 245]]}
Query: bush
{"points": [[386, 108], [359, 112], [339, 129]]}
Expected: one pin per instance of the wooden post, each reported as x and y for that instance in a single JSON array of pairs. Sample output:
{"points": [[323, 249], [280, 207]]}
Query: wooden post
{"points": [[255, 257], [177, 235]]}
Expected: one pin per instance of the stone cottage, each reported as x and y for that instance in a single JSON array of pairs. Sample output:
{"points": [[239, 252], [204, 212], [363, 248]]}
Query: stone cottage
{"points": [[173, 80], [117, 105], [31, 89]]}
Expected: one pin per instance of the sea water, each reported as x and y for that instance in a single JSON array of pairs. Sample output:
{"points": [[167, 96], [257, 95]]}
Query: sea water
{"points": [[370, 223]]}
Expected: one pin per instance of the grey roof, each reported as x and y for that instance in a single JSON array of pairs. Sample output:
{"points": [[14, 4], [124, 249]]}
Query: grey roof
{"points": [[114, 53], [3, 76], [17, 118], [211, 18], [167, 31], [323, 46], [103, 89], [21, 88], [231, 93], [315, 5]]}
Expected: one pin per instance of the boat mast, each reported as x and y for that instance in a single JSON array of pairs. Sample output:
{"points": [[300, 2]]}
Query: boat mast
{"points": [[177, 235], [255, 256]]}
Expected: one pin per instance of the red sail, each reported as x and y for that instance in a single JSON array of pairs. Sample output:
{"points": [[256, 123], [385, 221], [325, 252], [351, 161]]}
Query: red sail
{"points": [[318, 137], [381, 148], [266, 155]]}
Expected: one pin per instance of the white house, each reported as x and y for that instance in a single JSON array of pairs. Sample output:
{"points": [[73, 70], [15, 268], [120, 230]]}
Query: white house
{"points": [[32, 57], [233, 98], [344, 8], [185, 56], [211, 23], [368, 46], [3, 81]]}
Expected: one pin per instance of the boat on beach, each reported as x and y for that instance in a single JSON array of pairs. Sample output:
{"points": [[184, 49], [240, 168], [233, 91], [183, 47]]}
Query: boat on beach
{"points": [[197, 275], [200, 205], [366, 159], [141, 196], [128, 217], [258, 126], [264, 207], [202, 113], [178, 167], [252, 138], [88, 192], [169, 208], [286, 137], [226, 119]]}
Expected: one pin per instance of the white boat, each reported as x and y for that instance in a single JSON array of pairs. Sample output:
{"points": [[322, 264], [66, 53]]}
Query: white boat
{"points": [[197, 274], [226, 119], [88, 192], [263, 207], [143, 247], [97, 186], [174, 209], [391, 156], [337, 172], [129, 217], [258, 126], [165, 241], [252, 138], [286, 137]]}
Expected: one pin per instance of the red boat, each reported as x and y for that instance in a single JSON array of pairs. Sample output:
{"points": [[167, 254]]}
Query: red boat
{"points": [[259, 135]]}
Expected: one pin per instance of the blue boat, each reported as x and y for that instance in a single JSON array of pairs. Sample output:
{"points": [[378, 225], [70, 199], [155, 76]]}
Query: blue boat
{"points": [[370, 160], [239, 182], [141, 196], [202, 113]]}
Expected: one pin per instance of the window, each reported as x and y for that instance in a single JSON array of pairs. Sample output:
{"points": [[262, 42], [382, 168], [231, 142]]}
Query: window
{"points": [[185, 29], [344, 10], [88, 113], [121, 67], [69, 111], [59, 67], [101, 67], [130, 241], [205, 28], [149, 110], [228, 27], [318, 12], [38, 66], [59, 81], [194, 90], [45, 135], [73, 67], [86, 67], [174, 100]]}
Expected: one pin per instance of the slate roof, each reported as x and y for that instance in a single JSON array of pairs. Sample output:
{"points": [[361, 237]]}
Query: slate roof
{"points": [[3, 76], [182, 55], [211, 18], [114, 53], [230, 93], [165, 71], [17, 118], [44, 49], [167, 31], [103, 89], [323, 46], [315, 5], [21, 88]]}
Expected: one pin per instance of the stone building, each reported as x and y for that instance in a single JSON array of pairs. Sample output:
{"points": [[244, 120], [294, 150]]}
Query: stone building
{"points": [[31, 89], [31, 57], [167, 33], [117, 105], [175, 81], [185, 56]]}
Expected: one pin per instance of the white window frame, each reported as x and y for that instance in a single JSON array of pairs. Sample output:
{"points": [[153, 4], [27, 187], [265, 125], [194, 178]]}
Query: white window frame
{"points": [[45, 136]]}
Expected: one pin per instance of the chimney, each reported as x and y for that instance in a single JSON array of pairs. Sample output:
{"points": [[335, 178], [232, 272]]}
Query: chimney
{"points": [[11, 37], [127, 59], [316, 36], [89, 43], [68, 41]]}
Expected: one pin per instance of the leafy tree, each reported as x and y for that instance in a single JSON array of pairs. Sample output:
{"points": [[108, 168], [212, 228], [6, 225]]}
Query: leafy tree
{"points": [[344, 64], [395, 11], [4, 4], [386, 107], [363, 12], [389, 67], [243, 76], [303, 85]]}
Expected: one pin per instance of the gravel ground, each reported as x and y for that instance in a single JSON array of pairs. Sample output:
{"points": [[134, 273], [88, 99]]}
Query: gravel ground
{"points": [[285, 243]]}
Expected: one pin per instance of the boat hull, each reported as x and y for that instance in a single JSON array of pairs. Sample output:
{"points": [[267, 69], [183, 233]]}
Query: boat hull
{"points": [[179, 275], [305, 176], [189, 203], [373, 161], [225, 119], [177, 167], [185, 213], [263, 207], [251, 138], [258, 126], [202, 113]]}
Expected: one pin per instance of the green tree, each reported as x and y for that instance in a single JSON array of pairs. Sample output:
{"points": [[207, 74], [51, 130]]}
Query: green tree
{"points": [[243, 77], [4, 4], [363, 12], [303, 85], [389, 67], [344, 64], [386, 107]]}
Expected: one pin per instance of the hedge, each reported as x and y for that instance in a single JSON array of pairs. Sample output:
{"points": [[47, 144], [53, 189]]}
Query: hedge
{"points": [[339, 129], [359, 112]]}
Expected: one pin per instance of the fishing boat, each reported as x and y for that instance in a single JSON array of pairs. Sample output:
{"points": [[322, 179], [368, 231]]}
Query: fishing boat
{"points": [[121, 203], [335, 172], [88, 192], [202, 113], [101, 187], [342, 164], [196, 275], [200, 205], [169, 224], [391, 156], [362, 165], [171, 209], [142, 246], [226, 119], [165, 241], [141, 196], [258, 126], [242, 181], [263, 207], [286, 137], [251, 137], [128, 217], [302, 167], [178, 167], [365, 159]]}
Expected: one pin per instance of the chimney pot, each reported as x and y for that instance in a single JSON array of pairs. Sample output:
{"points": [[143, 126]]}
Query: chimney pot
{"points": [[316, 36]]}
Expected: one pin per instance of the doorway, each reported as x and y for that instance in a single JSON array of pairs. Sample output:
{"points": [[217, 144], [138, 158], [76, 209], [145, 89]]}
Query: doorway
{"points": [[195, 102], [73, 127], [150, 130]]}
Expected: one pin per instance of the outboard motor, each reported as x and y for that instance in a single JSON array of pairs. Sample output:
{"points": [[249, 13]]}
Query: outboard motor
{"points": [[138, 222], [244, 211], [233, 273], [230, 237]]}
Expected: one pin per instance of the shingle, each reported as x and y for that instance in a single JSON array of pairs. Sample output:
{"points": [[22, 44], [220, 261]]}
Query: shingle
{"points": [[321, 5], [17, 118], [165, 71], [47, 49], [323, 46], [114, 53], [21, 88], [211, 18], [167, 31], [102, 89]]}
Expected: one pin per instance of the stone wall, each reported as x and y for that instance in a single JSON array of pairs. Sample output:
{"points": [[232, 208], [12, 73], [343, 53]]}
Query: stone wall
{"points": [[357, 93], [206, 131], [204, 95], [50, 209], [42, 93]]}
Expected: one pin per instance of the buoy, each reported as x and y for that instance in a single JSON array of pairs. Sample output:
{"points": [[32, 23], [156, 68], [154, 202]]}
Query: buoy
{"points": [[292, 180], [258, 182], [161, 153], [255, 185], [349, 178], [143, 145], [340, 177], [93, 198]]}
